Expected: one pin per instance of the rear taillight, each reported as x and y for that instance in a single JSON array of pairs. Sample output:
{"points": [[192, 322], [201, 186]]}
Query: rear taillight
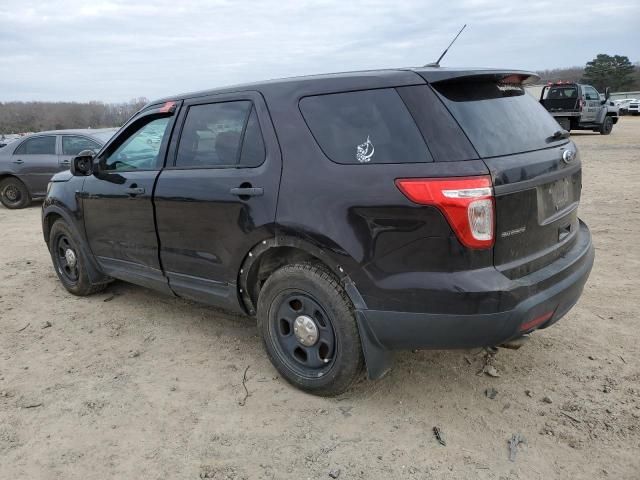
{"points": [[466, 202]]}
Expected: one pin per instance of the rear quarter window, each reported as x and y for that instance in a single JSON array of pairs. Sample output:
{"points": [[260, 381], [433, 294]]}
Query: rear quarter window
{"points": [[370, 126]]}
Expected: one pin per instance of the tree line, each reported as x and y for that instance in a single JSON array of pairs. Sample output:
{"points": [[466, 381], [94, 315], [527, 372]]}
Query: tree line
{"points": [[20, 117], [613, 71]]}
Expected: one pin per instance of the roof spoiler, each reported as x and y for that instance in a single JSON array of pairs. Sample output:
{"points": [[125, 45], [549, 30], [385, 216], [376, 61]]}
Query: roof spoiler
{"points": [[433, 75]]}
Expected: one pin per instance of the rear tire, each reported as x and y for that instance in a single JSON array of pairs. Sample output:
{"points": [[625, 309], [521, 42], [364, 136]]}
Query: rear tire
{"points": [[309, 329], [69, 261], [14, 194]]}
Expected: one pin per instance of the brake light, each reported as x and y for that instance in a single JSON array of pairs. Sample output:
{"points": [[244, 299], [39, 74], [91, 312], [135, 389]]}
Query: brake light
{"points": [[466, 202]]}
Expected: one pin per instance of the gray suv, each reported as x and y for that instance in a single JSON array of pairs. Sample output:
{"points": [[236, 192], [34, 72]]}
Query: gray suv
{"points": [[27, 164]]}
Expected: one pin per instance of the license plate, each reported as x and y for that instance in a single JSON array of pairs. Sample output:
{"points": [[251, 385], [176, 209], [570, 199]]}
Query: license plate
{"points": [[554, 197], [559, 192]]}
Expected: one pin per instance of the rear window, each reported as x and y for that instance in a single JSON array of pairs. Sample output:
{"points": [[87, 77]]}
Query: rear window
{"points": [[37, 146], [370, 126], [561, 93], [221, 135], [74, 145], [499, 119]]}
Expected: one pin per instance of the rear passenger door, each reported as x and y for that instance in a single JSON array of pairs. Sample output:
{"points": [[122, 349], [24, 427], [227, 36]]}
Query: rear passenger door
{"points": [[35, 162], [217, 196]]}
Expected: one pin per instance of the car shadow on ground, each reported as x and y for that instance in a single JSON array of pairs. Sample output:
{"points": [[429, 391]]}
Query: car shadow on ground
{"points": [[34, 204], [442, 372]]}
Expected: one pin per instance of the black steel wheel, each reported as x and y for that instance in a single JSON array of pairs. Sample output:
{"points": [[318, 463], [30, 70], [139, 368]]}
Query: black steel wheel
{"points": [[67, 258], [14, 194], [69, 261], [303, 334], [309, 329]]}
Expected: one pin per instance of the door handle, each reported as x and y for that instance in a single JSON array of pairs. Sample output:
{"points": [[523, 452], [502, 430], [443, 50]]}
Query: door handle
{"points": [[247, 191], [19, 162], [133, 190], [65, 162]]}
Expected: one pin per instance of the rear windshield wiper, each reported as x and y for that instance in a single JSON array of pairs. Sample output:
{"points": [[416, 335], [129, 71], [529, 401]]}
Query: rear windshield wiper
{"points": [[558, 135]]}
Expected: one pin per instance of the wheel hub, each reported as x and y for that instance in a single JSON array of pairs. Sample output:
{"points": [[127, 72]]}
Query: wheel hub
{"points": [[11, 193], [305, 330], [70, 257]]}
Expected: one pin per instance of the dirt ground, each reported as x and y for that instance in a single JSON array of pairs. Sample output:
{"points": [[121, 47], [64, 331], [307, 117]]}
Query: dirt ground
{"points": [[129, 384]]}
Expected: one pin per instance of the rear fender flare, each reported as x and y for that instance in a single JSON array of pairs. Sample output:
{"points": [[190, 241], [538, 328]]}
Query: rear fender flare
{"points": [[378, 360], [252, 257]]}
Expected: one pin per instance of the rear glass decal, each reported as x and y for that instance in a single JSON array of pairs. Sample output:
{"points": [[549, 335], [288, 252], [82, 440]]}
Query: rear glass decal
{"points": [[365, 151]]}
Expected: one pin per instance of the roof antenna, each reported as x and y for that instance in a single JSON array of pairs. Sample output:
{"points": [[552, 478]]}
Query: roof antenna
{"points": [[437, 62]]}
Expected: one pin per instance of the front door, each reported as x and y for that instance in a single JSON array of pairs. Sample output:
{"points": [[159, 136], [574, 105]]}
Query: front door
{"points": [[217, 196], [592, 104], [117, 201]]}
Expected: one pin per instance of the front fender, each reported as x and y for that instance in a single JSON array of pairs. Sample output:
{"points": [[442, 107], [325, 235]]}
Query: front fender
{"points": [[52, 210]]}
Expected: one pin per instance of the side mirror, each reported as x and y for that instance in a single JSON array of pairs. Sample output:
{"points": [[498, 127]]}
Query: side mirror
{"points": [[82, 164]]}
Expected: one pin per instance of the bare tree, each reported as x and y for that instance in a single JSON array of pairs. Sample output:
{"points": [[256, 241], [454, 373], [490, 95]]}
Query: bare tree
{"points": [[18, 117]]}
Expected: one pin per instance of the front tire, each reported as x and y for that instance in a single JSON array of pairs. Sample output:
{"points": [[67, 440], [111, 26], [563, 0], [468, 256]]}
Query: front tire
{"points": [[309, 329], [607, 126], [69, 262], [14, 194]]}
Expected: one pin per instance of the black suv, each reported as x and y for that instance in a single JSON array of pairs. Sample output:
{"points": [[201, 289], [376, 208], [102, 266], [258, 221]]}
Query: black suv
{"points": [[352, 214]]}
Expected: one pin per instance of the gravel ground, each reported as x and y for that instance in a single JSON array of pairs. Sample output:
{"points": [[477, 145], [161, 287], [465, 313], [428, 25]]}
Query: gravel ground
{"points": [[131, 384]]}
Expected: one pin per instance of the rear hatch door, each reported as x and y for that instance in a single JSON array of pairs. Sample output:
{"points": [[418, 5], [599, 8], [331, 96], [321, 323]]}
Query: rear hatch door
{"points": [[536, 172]]}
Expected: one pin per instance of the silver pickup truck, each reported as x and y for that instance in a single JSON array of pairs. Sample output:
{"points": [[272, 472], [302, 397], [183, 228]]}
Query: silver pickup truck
{"points": [[576, 106]]}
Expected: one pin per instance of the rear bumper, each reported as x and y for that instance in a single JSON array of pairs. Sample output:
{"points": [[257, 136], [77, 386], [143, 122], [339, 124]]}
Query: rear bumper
{"points": [[544, 297]]}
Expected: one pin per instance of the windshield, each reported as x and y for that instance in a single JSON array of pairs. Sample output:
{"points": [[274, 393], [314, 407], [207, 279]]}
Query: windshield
{"points": [[498, 118], [104, 136]]}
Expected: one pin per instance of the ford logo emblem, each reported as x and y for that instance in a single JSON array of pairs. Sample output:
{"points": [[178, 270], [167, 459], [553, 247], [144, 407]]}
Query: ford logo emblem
{"points": [[568, 156]]}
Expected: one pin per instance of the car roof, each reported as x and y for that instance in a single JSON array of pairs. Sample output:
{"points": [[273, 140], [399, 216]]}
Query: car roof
{"points": [[365, 78], [74, 131]]}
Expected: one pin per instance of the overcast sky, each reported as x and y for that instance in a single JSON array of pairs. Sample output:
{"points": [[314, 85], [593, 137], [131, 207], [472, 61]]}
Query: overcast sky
{"points": [[117, 50]]}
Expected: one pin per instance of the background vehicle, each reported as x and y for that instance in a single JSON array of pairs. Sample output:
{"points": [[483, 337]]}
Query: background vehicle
{"points": [[634, 108], [27, 164], [472, 236], [576, 106], [623, 105], [613, 109]]}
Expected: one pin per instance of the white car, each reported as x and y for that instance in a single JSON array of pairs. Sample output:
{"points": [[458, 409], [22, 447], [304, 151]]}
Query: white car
{"points": [[623, 104], [633, 107]]}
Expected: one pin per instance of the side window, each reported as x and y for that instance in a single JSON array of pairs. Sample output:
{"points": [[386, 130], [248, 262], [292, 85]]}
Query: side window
{"points": [[140, 150], [72, 145], [591, 94], [213, 134], [37, 146], [370, 126], [253, 151]]}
